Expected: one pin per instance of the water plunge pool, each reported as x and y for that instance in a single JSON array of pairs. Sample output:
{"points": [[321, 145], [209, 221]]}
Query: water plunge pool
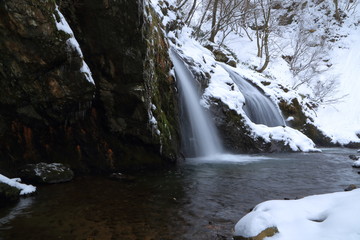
{"points": [[200, 199]]}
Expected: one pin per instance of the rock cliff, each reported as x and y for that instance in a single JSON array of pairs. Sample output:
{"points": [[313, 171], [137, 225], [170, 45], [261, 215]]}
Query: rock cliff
{"points": [[50, 112]]}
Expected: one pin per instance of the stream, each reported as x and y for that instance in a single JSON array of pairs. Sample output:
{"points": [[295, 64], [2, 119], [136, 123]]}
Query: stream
{"points": [[199, 199]]}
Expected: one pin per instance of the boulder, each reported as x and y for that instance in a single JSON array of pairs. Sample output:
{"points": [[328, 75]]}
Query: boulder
{"points": [[268, 232], [353, 157], [46, 173]]}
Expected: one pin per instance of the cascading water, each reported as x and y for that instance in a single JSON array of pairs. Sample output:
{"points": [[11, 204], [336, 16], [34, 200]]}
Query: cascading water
{"points": [[202, 137], [259, 108]]}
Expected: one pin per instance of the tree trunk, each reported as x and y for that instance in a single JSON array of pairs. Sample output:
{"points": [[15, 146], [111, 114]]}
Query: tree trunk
{"points": [[213, 22], [337, 13], [191, 13], [202, 19], [266, 48]]}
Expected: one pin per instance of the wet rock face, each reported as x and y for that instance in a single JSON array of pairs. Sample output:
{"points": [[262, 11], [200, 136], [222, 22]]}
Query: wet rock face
{"points": [[50, 112], [39, 73], [235, 135], [129, 61]]}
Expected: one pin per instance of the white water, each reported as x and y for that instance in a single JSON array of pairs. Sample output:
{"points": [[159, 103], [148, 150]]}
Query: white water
{"points": [[259, 108], [203, 136]]}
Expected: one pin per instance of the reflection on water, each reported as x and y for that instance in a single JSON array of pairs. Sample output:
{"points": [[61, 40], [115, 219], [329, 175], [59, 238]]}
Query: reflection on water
{"points": [[20, 208], [202, 199]]}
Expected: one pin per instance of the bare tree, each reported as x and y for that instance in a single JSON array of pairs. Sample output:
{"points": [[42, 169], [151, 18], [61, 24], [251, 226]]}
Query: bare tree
{"points": [[262, 20], [213, 21], [308, 52]]}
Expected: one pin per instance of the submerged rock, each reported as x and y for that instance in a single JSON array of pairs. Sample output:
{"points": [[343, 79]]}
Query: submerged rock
{"points": [[46, 173], [121, 177]]}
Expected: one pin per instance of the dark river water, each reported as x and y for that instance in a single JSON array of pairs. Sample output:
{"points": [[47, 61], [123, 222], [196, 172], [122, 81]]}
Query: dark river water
{"points": [[200, 199]]}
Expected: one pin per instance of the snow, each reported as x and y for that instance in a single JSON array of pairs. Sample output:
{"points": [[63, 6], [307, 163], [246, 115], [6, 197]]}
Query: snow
{"points": [[331, 216], [356, 164], [15, 182], [63, 25], [342, 121]]}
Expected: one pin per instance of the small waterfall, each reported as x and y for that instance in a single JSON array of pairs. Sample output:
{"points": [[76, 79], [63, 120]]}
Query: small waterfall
{"points": [[201, 135], [258, 107]]}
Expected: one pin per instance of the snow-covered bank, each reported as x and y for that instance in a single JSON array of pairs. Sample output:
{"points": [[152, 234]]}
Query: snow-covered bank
{"points": [[15, 182], [337, 115], [342, 120], [331, 216]]}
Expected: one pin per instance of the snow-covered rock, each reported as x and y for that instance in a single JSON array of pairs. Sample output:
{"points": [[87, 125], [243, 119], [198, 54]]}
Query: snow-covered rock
{"points": [[11, 189], [46, 173], [331, 216], [356, 164]]}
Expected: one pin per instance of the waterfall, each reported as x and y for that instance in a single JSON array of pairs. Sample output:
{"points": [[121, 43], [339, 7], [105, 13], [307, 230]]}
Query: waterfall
{"points": [[258, 107], [200, 135]]}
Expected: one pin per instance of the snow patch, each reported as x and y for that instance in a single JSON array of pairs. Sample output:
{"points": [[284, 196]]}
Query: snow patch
{"points": [[63, 25], [15, 182]]}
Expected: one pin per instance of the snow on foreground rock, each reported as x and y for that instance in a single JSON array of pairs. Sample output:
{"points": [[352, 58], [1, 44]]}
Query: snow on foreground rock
{"points": [[15, 182], [333, 216]]}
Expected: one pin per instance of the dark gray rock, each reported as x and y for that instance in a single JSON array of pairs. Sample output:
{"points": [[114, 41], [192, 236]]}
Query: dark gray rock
{"points": [[350, 187], [46, 173], [353, 157]]}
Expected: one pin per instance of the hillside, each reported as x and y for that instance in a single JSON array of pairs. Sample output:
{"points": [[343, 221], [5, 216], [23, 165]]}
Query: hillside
{"points": [[312, 55]]}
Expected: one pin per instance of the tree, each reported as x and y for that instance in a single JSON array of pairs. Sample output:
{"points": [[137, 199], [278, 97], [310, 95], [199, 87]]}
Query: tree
{"points": [[262, 20], [213, 30]]}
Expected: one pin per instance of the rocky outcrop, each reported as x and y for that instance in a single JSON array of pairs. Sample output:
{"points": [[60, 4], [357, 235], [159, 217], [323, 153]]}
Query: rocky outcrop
{"points": [[301, 123], [48, 109], [236, 135], [128, 57]]}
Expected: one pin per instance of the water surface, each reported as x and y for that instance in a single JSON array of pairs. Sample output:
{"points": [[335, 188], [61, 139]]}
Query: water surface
{"points": [[201, 199]]}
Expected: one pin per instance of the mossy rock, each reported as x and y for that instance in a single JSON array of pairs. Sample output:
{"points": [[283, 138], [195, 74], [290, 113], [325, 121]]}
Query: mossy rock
{"points": [[46, 173], [234, 132], [294, 109], [8, 193]]}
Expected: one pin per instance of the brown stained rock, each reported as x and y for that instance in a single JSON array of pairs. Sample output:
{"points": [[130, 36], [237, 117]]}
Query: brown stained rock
{"points": [[269, 232], [350, 187]]}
